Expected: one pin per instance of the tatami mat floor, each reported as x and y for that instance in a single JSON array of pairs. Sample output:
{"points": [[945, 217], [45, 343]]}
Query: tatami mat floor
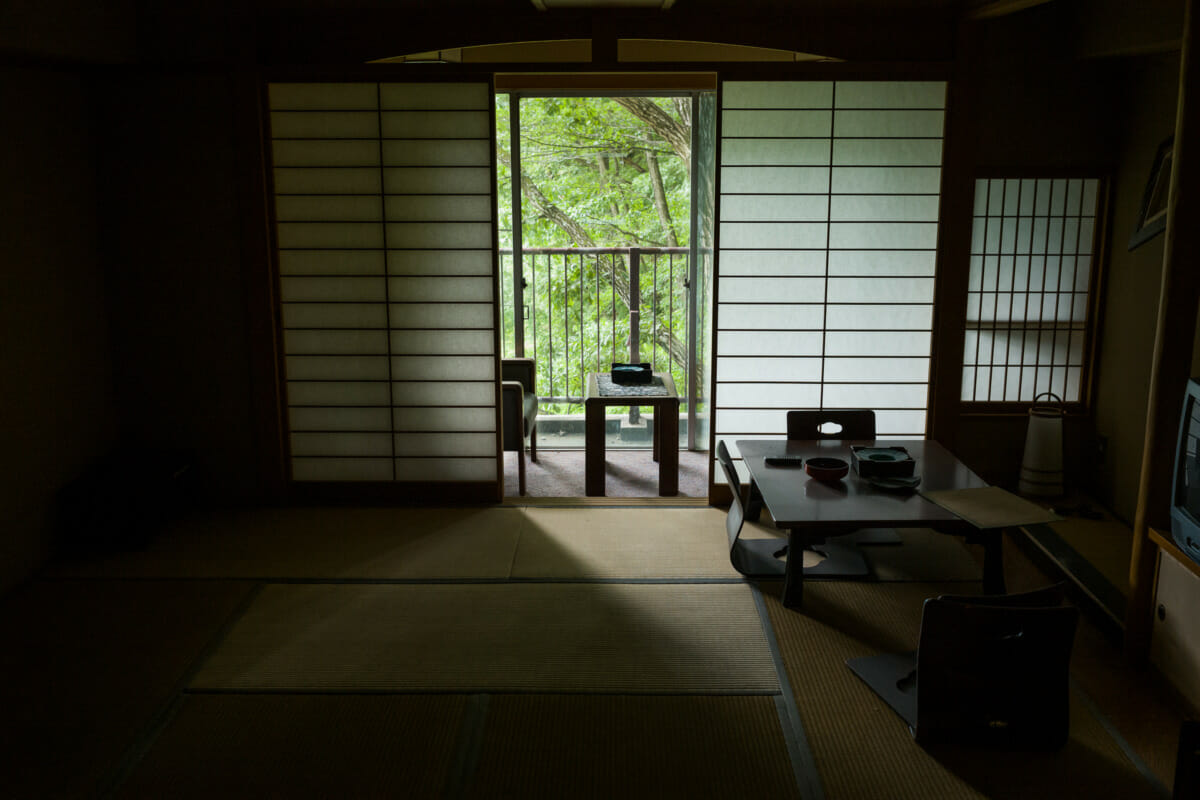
{"points": [[507, 652]]}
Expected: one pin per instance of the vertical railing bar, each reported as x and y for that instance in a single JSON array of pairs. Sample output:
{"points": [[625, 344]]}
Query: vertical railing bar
{"points": [[654, 317], [582, 349], [596, 271], [613, 307], [550, 322], [566, 276]]}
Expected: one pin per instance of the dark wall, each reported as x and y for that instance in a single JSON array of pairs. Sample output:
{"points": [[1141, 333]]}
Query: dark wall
{"points": [[175, 264], [57, 401], [1040, 109], [1133, 283]]}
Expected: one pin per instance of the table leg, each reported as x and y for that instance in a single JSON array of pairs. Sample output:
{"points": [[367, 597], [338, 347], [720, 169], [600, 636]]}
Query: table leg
{"points": [[667, 437], [593, 446], [993, 562], [793, 576], [656, 438]]}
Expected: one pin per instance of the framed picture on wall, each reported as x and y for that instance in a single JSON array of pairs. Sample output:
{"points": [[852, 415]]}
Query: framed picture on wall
{"points": [[1153, 217]]}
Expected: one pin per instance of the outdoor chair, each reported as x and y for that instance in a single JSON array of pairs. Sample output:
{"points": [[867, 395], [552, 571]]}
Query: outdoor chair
{"points": [[989, 669], [520, 408]]}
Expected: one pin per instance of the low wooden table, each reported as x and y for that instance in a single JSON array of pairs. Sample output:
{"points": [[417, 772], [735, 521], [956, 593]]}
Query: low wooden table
{"points": [[666, 432], [809, 509]]}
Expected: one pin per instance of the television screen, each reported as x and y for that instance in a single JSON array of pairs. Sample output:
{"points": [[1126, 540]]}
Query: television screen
{"points": [[1185, 511]]}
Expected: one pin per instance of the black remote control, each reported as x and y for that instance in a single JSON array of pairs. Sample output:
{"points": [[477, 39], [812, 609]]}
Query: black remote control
{"points": [[784, 461]]}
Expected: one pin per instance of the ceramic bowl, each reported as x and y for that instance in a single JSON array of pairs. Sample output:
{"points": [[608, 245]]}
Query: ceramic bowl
{"points": [[826, 469]]}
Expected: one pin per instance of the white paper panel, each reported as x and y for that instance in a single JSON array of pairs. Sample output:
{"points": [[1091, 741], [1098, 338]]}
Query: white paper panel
{"points": [[449, 289], [779, 343], [904, 424], [906, 343], [337, 393], [341, 444], [893, 152], [444, 393], [446, 469], [446, 444], [403, 96], [442, 315], [455, 368], [437, 180], [773, 235], [326, 153], [342, 469], [788, 290], [882, 208], [444, 419], [881, 370], [322, 96], [771, 395], [325, 124], [330, 262], [891, 94], [775, 208], [328, 180], [335, 342], [300, 289], [453, 153], [334, 315], [883, 235], [814, 124], [436, 125], [336, 368], [766, 262], [876, 396], [439, 262], [339, 419], [322, 208], [875, 317], [771, 317], [756, 180], [448, 343], [329, 235], [902, 122], [869, 290], [744, 421], [767, 370], [777, 94], [874, 263], [793, 152], [886, 180], [455, 235], [435, 208]]}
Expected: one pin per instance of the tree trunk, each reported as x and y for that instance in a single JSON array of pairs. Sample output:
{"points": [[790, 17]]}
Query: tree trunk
{"points": [[660, 198]]}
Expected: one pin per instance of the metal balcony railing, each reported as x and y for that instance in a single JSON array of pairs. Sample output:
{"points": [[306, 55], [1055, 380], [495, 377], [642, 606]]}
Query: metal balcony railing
{"points": [[581, 309]]}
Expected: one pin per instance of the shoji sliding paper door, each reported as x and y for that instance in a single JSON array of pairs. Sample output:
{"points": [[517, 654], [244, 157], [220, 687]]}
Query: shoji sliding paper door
{"points": [[385, 220], [829, 198]]}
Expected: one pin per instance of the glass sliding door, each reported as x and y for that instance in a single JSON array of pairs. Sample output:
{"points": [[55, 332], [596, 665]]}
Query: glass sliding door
{"points": [[386, 238], [828, 208]]}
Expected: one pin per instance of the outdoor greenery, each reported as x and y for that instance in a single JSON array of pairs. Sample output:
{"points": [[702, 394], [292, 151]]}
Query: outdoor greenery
{"points": [[597, 172]]}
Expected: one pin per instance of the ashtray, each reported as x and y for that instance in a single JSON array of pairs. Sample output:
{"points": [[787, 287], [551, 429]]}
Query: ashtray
{"points": [[882, 462], [826, 469]]}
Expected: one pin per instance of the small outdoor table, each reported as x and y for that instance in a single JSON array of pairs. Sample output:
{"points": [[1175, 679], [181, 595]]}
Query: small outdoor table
{"points": [[601, 393]]}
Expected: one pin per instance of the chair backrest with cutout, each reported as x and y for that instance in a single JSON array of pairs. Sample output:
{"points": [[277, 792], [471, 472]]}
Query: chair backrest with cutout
{"points": [[806, 424]]}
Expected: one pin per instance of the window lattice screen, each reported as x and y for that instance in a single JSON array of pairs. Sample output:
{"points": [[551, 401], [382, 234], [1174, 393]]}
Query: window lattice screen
{"points": [[829, 208], [383, 199], [1027, 303]]}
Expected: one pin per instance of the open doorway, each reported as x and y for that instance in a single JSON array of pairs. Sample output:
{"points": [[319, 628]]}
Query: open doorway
{"points": [[606, 256]]}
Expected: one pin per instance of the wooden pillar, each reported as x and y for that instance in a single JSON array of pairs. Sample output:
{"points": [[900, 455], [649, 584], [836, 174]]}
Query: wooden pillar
{"points": [[954, 243], [1172, 350]]}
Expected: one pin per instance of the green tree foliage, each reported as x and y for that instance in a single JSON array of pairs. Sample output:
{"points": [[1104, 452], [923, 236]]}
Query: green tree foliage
{"points": [[598, 173]]}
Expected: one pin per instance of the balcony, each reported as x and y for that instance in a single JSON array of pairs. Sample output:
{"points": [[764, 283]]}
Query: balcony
{"points": [[577, 310]]}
